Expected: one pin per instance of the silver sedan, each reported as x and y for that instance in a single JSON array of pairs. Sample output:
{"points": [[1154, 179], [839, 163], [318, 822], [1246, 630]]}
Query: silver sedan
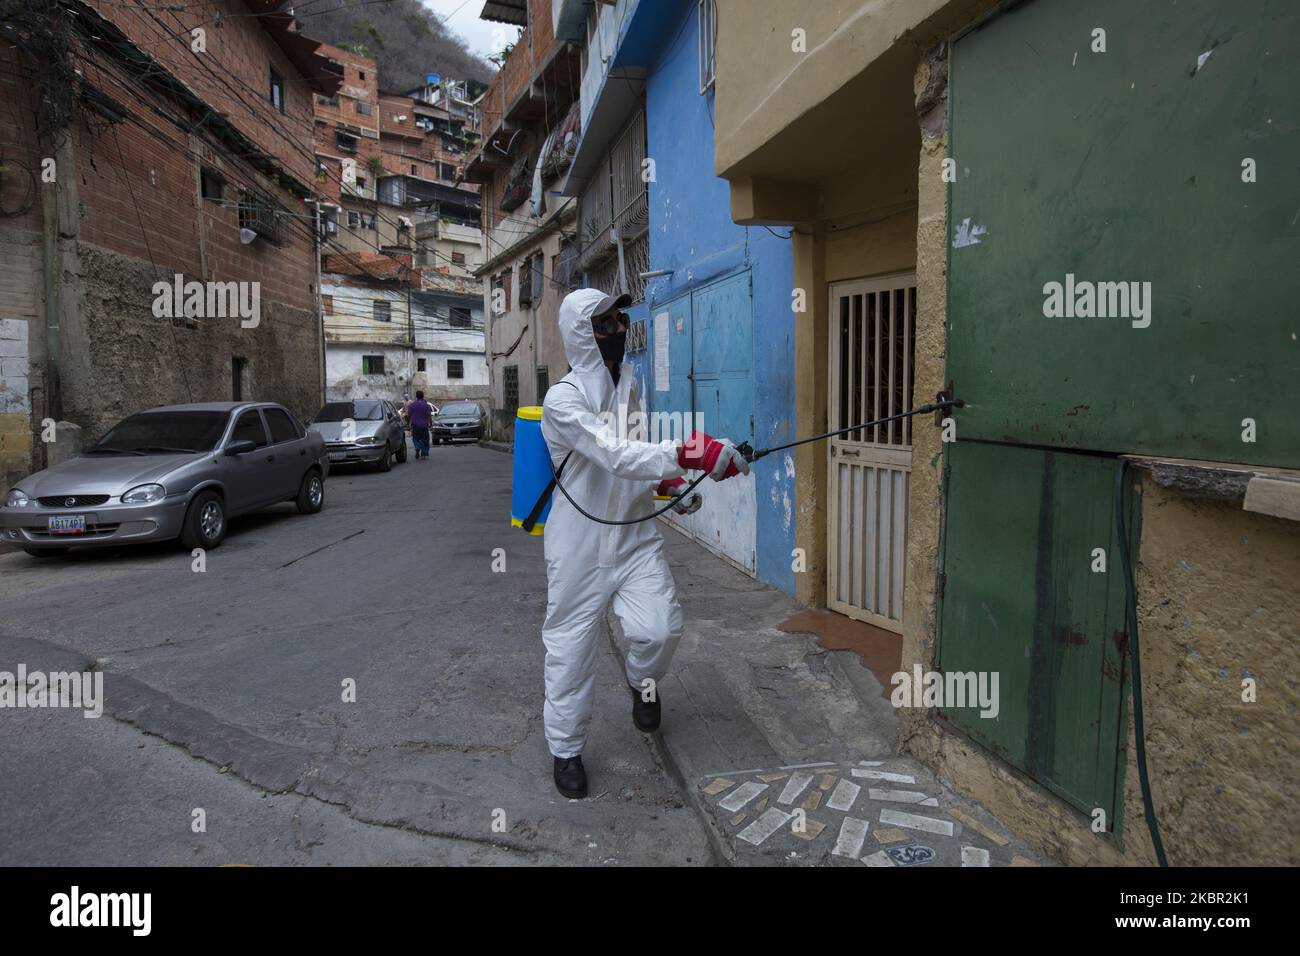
{"points": [[367, 431], [177, 471]]}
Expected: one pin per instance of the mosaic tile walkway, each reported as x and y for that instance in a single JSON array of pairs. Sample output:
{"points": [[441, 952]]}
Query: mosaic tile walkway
{"points": [[880, 813]]}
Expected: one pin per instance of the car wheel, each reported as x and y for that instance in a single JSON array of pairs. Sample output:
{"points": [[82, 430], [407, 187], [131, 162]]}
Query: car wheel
{"points": [[401, 451], [46, 552], [205, 522], [385, 462], [311, 493]]}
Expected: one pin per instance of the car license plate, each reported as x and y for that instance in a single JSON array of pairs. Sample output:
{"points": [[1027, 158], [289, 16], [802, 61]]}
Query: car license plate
{"points": [[338, 456], [67, 524]]}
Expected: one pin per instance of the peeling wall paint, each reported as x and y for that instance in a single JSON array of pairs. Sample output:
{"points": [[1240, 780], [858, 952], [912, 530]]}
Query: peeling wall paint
{"points": [[968, 234]]}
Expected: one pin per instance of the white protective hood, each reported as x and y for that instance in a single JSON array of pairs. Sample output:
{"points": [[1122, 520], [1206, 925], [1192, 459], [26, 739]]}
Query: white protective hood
{"points": [[575, 331]]}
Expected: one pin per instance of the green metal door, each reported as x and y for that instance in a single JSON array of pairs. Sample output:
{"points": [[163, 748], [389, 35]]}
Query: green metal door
{"points": [[1021, 597], [1166, 166]]}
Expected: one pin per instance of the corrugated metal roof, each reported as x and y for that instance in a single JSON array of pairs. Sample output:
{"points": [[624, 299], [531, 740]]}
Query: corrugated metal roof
{"points": [[514, 12]]}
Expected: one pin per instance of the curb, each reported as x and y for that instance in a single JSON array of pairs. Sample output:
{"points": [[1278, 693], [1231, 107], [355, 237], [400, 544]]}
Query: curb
{"points": [[722, 852]]}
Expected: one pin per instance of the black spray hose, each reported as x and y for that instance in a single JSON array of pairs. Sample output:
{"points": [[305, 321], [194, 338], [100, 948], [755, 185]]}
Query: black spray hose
{"points": [[751, 455], [1130, 609], [654, 514]]}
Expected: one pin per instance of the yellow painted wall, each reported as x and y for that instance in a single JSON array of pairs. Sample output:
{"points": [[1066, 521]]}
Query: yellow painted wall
{"points": [[766, 86]]}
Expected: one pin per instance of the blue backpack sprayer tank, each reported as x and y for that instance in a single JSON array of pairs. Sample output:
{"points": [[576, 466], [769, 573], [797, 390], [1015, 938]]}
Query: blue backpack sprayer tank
{"points": [[530, 492], [535, 478]]}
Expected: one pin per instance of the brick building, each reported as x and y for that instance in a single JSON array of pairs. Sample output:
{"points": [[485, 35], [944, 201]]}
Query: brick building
{"points": [[530, 120], [346, 128], [140, 144], [398, 223]]}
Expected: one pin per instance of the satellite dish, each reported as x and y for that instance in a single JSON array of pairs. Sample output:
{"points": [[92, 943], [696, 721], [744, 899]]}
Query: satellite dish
{"points": [[246, 235]]}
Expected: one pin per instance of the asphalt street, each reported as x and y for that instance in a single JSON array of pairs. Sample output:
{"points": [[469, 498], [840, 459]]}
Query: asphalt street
{"points": [[224, 692]]}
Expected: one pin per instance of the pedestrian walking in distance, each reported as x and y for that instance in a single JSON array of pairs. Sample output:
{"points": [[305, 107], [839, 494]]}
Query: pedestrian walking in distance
{"points": [[420, 413]]}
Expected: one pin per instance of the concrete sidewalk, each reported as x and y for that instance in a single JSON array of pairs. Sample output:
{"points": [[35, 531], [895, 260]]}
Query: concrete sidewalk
{"points": [[786, 747]]}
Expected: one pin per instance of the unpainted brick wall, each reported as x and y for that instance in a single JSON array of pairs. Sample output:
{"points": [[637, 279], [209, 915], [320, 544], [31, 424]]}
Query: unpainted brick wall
{"points": [[141, 221], [233, 76]]}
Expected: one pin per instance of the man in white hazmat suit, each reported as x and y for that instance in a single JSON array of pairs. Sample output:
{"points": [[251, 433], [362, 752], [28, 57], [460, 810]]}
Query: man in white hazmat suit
{"points": [[590, 564]]}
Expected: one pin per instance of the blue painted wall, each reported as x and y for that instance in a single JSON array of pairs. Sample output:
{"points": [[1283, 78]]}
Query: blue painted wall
{"points": [[691, 232]]}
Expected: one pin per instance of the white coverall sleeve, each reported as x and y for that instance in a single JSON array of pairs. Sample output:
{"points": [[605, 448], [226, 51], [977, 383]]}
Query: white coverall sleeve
{"points": [[568, 424]]}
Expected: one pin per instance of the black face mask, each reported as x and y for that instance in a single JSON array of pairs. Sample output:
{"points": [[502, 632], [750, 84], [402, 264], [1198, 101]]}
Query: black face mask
{"points": [[611, 346]]}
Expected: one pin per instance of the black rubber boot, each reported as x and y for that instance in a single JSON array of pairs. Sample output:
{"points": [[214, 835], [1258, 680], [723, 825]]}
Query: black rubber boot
{"points": [[645, 714], [570, 777]]}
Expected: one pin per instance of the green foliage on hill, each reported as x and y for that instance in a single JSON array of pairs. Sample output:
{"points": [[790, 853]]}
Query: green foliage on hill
{"points": [[404, 37]]}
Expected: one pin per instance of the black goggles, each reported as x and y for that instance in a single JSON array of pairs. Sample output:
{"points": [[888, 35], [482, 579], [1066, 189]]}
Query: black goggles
{"points": [[610, 323]]}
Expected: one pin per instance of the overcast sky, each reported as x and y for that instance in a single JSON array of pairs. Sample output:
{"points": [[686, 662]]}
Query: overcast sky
{"points": [[479, 35]]}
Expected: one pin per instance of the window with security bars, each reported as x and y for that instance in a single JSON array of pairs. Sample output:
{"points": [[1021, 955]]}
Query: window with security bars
{"points": [[636, 336], [877, 332], [263, 216], [614, 209], [510, 385], [636, 260], [708, 16], [543, 382], [526, 283]]}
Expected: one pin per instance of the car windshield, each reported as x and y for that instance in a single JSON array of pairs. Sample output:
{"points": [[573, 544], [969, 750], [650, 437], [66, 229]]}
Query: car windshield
{"points": [[365, 411], [162, 432], [459, 408]]}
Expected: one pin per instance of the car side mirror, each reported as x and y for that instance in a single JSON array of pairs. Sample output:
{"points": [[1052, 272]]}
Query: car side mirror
{"points": [[240, 447]]}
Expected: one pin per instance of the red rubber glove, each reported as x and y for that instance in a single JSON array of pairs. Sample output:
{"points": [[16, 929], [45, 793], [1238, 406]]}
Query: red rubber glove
{"points": [[719, 458], [675, 486], [671, 486]]}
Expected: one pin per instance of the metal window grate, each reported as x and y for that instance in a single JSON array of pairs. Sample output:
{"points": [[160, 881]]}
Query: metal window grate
{"points": [[262, 216], [510, 382], [636, 336], [708, 18], [631, 198], [595, 215], [617, 197], [526, 283], [876, 331]]}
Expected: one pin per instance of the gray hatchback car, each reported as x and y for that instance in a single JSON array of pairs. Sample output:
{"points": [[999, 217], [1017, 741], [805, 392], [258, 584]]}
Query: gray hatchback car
{"points": [[176, 471]]}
